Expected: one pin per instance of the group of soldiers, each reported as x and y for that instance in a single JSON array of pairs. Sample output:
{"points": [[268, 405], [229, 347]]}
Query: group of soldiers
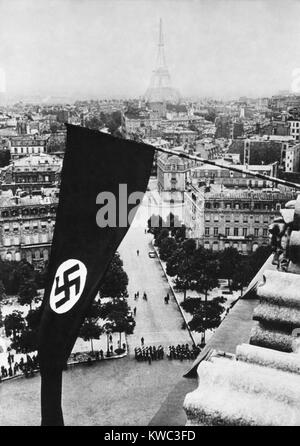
{"points": [[149, 354], [14, 368], [183, 351]]}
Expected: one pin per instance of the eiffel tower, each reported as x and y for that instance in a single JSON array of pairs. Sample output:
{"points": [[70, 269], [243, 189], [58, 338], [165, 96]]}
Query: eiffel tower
{"points": [[160, 89]]}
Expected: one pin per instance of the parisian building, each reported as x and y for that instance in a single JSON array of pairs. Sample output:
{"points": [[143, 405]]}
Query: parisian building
{"points": [[31, 173], [26, 228], [26, 145], [231, 218]]}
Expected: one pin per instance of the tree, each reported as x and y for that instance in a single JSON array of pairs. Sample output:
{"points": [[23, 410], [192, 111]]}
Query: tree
{"points": [[206, 314], [27, 293], [242, 275], [124, 324], [2, 291], [13, 324], [179, 233], [167, 247], [33, 319], [259, 257], [9, 276], [162, 235], [114, 122], [205, 271], [26, 342], [155, 225], [118, 315], [229, 262], [115, 281], [179, 265], [90, 330], [94, 123]]}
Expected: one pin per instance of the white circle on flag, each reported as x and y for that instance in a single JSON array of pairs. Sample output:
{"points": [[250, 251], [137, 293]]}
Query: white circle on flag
{"points": [[68, 285]]}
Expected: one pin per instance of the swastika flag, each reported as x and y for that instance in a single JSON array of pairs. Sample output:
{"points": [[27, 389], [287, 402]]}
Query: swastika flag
{"points": [[84, 242]]}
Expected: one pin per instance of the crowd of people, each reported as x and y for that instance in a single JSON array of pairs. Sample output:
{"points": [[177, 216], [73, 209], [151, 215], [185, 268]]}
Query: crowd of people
{"points": [[152, 353], [183, 351], [149, 354], [14, 368]]}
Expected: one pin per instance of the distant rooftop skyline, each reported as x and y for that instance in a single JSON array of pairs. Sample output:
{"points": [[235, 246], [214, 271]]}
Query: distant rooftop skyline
{"points": [[99, 48]]}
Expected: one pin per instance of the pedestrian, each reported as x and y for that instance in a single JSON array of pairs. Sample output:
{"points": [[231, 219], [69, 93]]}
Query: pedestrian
{"points": [[142, 341], [149, 359], [137, 252], [101, 354], [134, 311]]}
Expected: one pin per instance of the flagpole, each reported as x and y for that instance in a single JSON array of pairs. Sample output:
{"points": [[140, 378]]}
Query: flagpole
{"points": [[229, 167]]}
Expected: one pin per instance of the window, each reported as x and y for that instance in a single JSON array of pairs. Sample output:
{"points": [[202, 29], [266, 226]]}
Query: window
{"points": [[256, 232], [227, 231], [228, 218], [245, 232], [206, 231], [245, 218], [265, 232], [236, 232], [216, 231]]}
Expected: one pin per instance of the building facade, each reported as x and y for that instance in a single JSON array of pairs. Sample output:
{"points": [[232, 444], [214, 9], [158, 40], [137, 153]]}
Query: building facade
{"points": [[26, 230], [25, 145], [31, 173], [238, 219]]}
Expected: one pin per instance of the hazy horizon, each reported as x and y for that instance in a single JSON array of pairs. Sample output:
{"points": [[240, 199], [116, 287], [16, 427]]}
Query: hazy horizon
{"points": [[107, 48]]}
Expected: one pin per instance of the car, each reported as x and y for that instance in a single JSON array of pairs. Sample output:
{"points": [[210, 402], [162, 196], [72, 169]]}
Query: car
{"points": [[152, 254]]}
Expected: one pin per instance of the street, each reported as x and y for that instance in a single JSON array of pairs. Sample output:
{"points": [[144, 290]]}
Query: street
{"points": [[157, 322]]}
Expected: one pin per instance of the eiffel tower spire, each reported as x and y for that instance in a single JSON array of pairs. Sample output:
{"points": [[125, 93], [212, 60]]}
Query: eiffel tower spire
{"points": [[161, 60], [160, 89]]}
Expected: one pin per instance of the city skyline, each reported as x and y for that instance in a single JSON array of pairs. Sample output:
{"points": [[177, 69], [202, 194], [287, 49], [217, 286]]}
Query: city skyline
{"points": [[88, 49]]}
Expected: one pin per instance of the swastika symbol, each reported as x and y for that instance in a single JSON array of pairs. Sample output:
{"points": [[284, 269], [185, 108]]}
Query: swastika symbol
{"points": [[68, 285], [65, 288]]}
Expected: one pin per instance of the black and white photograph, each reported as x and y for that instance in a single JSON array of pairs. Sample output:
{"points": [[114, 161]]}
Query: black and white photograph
{"points": [[149, 215]]}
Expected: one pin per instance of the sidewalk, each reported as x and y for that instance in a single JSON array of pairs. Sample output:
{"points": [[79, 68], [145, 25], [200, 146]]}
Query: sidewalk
{"points": [[179, 297], [81, 353]]}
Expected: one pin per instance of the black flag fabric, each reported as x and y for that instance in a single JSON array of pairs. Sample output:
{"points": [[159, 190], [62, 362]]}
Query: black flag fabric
{"points": [[101, 182]]}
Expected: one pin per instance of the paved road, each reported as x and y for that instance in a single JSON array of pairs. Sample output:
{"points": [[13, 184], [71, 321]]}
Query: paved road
{"points": [[115, 392], [119, 392], [157, 322]]}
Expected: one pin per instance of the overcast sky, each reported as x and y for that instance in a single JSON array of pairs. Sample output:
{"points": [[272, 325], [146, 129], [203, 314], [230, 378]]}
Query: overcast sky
{"points": [[103, 48]]}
